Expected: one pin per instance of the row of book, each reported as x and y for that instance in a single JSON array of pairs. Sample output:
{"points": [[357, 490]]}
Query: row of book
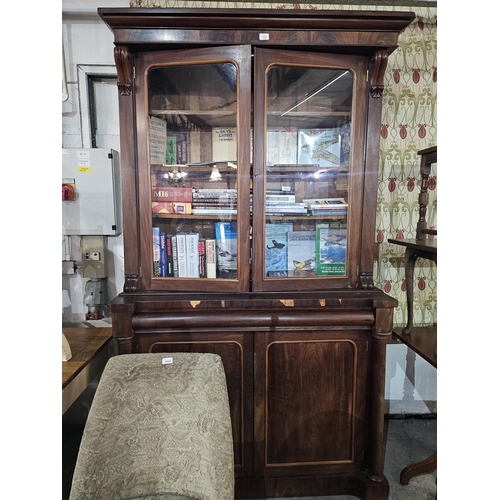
{"points": [[189, 255], [319, 252], [191, 201], [325, 147]]}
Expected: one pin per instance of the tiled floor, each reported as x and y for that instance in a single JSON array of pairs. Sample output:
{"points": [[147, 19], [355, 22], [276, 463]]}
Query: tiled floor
{"points": [[408, 440]]}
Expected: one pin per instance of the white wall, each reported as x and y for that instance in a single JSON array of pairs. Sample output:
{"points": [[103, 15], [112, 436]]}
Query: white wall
{"points": [[88, 41]]}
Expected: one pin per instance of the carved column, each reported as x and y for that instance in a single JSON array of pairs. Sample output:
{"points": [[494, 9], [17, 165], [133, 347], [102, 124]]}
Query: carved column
{"points": [[380, 333], [122, 326]]}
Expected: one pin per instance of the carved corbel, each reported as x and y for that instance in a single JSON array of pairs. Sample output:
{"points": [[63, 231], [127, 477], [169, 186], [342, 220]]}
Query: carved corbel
{"points": [[123, 70], [379, 65]]}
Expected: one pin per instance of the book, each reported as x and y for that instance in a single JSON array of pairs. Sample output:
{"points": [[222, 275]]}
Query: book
{"points": [[175, 260], [156, 251], [328, 213], [211, 258], [202, 258], [318, 146], [157, 141], [215, 193], [163, 254], [177, 148], [331, 242], [224, 142], [193, 262], [327, 206], [277, 247], [170, 263], [280, 197], [214, 211], [329, 203], [182, 255], [301, 253], [296, 208], [171, 151], [170, 193], [171, 207], [227, 247], [281, 145]]}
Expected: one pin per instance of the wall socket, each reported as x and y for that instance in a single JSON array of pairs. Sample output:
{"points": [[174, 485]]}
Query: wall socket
{"points": [[93, 257]]}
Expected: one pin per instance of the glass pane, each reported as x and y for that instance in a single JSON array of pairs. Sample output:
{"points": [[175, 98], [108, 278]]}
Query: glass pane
{"points": [[193, 167], [307, 171]]}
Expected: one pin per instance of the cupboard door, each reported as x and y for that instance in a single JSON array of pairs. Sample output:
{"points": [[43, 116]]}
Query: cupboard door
{"points": [[310, 404], [193, 144], [308, 169], [236, 352]]}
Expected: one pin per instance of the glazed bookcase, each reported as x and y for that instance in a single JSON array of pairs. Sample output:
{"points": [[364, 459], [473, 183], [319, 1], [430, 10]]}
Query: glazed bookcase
{"points": [[249, 153]]}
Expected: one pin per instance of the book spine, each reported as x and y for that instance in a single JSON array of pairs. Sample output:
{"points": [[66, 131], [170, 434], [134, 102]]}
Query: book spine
{"points": [[182, 255], [284, 198], [202, 259], [175, 259], [214, 211], [211, 260], [167, 193], [170, 263], [163, 254], [216, 195], [156, 251], [193, 262]]}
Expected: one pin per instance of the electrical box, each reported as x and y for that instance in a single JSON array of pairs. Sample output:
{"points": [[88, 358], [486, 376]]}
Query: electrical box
{"points": [[91, 192]]}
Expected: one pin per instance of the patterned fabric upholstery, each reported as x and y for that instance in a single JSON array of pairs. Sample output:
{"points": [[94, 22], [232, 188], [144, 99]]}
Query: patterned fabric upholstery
{"points": [[159, 428]]}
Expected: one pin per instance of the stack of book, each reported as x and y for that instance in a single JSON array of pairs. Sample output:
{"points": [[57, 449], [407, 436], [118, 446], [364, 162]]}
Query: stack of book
{"points": [[214, 202], [327, 206], [283, 204]]}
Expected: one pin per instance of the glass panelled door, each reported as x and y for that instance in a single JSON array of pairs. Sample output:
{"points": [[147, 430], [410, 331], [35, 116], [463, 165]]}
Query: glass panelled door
{"points": [[195, 170], [306, 162]]}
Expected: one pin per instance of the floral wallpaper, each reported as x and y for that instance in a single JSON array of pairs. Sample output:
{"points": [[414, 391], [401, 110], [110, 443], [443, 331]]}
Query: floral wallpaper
{"points": [[409, 124]]}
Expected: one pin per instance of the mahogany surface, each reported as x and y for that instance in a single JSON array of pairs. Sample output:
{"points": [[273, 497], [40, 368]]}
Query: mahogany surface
{"points": [[85, 344], [304, 358], [422, 340]]}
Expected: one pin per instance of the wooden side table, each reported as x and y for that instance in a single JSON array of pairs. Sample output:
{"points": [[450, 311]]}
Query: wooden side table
{"points": [[89, 349], [421, 340]]}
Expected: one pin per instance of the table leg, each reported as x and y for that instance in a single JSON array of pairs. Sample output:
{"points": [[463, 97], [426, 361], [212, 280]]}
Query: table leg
{"points": [[427, 465], [410, 258]]}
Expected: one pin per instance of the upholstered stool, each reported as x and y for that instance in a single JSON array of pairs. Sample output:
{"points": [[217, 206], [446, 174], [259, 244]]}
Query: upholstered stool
{"points": [[159, 427]]}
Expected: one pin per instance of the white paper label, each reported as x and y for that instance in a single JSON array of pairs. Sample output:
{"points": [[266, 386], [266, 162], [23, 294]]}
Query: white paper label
{"points": [[167, 361], [263, 36]]}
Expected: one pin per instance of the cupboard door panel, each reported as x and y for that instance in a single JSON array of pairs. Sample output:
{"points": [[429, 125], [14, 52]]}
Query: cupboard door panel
{"points": [[310, 401], [236, 353]]}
